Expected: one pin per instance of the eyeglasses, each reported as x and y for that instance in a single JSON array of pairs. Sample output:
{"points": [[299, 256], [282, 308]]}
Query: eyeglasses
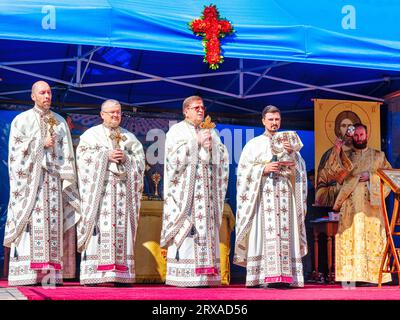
{"points": [[197, 108], [117, 113]]}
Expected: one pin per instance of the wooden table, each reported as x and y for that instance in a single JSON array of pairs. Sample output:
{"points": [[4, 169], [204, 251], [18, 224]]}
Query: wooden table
{"points": [[329, 228]]}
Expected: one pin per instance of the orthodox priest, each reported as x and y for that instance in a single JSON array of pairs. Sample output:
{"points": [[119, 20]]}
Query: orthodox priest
{"points": [[271, 207], [44, 199], [195, 182], [110, 163], [361, 237]]}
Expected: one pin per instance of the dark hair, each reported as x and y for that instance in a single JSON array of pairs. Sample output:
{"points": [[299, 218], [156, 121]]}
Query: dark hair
{"points": [[345, 115], [111, 102], [270, 109], [358, 125]]}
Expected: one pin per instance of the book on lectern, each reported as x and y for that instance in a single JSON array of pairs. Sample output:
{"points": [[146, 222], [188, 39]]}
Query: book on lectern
{"points": [[391, 177]]}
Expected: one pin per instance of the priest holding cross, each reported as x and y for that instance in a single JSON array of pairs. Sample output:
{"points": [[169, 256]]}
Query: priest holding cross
{"points": [[44, 199], [110, 162], [196, 174], [51, 123], [116, 137]]}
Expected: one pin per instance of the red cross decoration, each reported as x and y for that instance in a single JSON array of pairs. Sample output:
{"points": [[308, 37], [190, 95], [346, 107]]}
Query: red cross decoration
{"points": [[211, 27]]}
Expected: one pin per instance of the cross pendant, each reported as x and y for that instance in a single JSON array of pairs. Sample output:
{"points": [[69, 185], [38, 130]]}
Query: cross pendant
{"points": [[207, 123], [117, 137], [51, 122]]}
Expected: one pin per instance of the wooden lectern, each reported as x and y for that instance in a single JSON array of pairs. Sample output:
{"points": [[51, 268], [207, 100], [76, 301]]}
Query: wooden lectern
{"points": [[390, 259]]}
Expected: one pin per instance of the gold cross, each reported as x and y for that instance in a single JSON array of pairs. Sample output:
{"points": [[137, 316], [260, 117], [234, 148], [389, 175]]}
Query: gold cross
{"points": [[207, 124], [117, 137], [51, 122]]}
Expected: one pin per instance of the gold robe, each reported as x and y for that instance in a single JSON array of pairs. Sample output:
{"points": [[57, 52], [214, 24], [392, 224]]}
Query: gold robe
{"points": [[331, 172], [361, 236]]}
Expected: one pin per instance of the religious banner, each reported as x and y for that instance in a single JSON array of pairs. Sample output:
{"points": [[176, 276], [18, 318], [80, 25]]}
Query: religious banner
{"points": [[333, 117]]}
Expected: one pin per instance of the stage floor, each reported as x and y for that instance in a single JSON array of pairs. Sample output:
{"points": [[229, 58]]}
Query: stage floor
{"points": [[311, 292]]}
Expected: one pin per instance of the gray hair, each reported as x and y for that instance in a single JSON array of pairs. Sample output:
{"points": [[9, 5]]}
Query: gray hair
{"points": [[110, 102], [188, 101]]}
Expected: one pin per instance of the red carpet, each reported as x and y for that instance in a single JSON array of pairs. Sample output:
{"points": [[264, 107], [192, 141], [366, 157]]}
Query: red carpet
{"points": [[73, 291]]}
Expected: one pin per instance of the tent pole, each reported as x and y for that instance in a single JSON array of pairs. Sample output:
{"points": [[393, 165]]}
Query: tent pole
{"points": [[36, 75], [258, 80], [78, 66], [241, 78], [159, 78], [99, 97], [312, 87], [13, 63]]}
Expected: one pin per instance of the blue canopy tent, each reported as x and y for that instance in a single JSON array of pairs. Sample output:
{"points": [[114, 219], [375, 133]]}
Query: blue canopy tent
{"points": [[283, 52], [143, 54]]}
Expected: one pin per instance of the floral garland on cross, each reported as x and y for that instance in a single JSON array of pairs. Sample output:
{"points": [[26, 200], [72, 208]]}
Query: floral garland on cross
{"points": [[211, 27]]}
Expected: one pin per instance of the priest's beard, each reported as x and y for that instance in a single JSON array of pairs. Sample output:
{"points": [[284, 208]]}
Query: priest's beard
{"points": [[362, 145], [273, 130]]}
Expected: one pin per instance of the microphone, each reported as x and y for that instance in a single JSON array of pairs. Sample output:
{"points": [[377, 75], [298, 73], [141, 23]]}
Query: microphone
{"points": [[274, 159]]}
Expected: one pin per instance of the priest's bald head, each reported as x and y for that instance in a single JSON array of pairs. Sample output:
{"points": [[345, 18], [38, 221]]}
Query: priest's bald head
{"points": [[41, 95]]}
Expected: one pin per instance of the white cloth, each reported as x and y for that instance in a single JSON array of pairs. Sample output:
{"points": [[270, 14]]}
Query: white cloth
{"points": [[44, 200], [270, 231], [110, 206], [195, 183]]}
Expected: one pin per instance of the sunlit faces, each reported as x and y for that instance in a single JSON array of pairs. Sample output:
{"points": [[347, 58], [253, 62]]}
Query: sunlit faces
{"points": [[195, 112], [360, 138], [111, 115], [272, 121], [41, 95]]}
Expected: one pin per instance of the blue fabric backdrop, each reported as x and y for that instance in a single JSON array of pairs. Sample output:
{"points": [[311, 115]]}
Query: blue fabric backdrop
{"points": [[359, 34]]}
